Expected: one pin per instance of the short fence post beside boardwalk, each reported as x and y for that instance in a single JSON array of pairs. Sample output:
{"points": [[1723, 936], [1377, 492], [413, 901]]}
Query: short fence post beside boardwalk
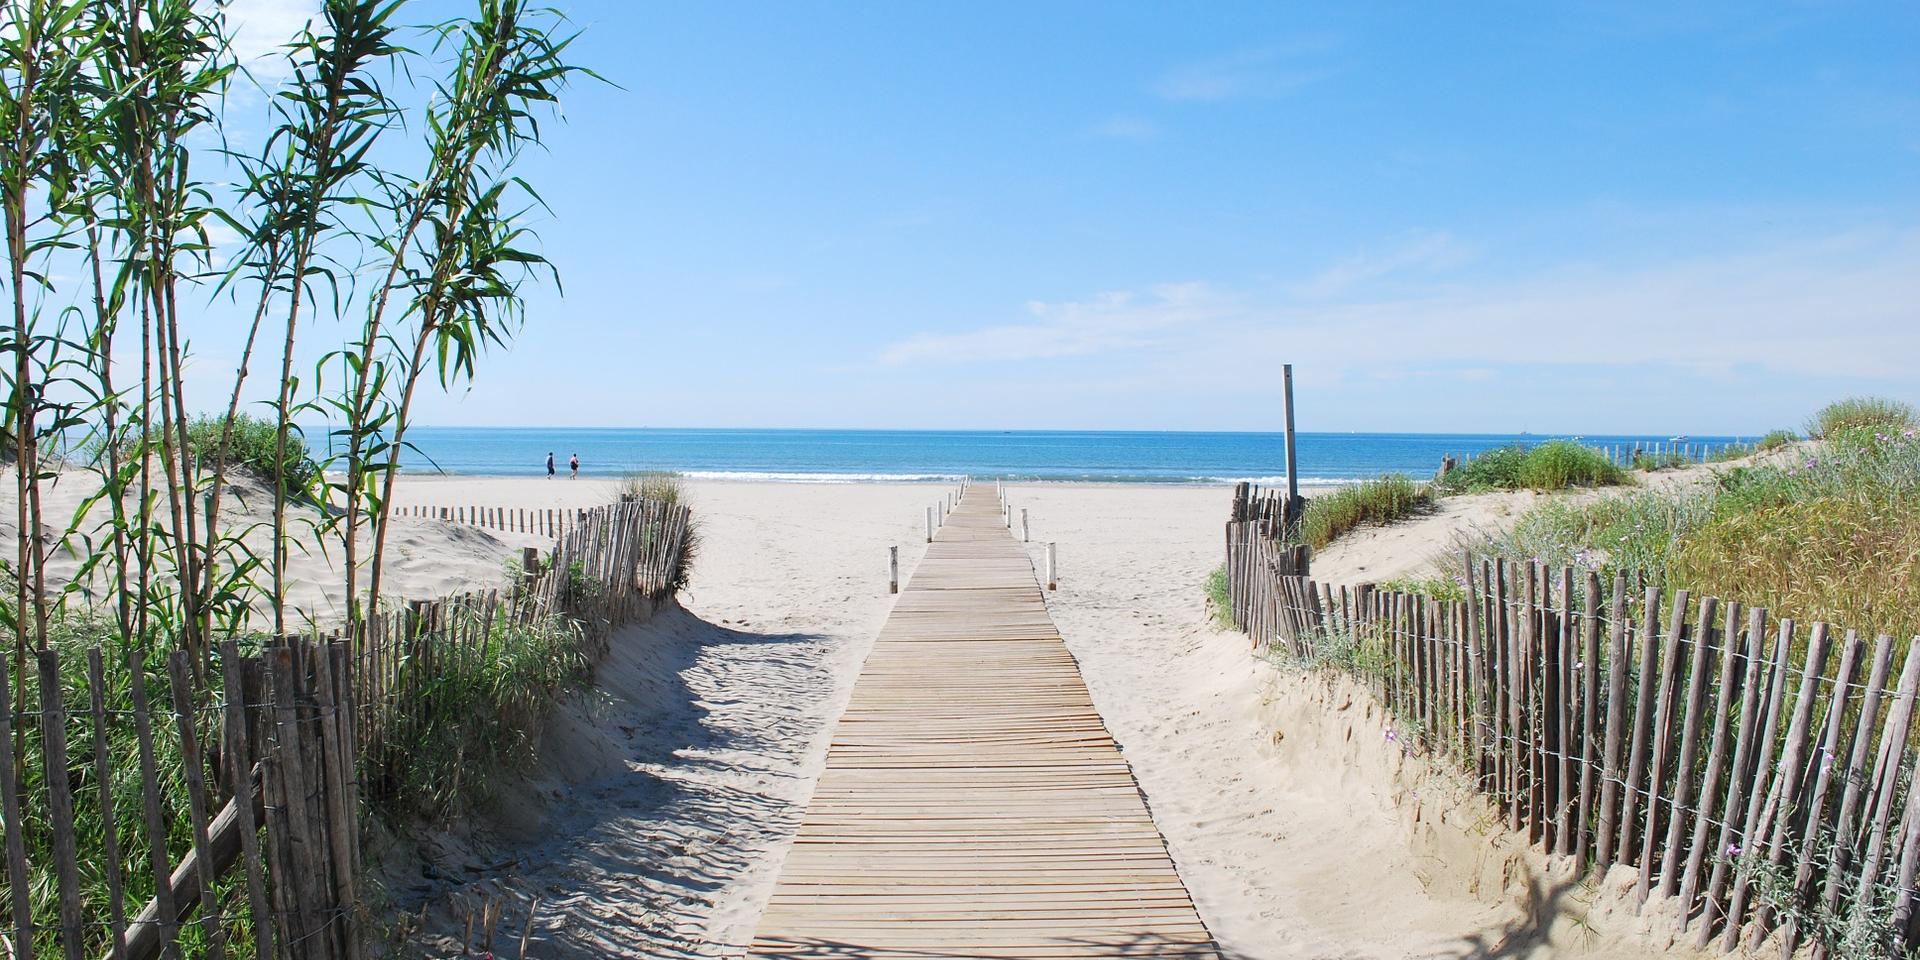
{"points": [[893, 569], [1052, 567], [929, 524], [1705, 751], [1026, 536]]}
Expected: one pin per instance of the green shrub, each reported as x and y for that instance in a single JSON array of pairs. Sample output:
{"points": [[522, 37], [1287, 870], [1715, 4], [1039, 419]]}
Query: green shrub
{"points": [[487, 709], [666, 487], [1448, 589], [1220, 599], [1496, 469], [662, 485], [1878, 413], [1391, 497], [1647, 461], [1554, 465], [1775, 440], [251, 445], [1559, 464]]}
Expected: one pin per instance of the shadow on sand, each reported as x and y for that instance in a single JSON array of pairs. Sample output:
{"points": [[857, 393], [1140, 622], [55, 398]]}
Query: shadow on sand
{"points": [[678, 773]]}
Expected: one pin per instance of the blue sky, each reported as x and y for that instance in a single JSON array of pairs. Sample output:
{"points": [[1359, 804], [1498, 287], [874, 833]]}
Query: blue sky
{"points": [[1449, 217]]}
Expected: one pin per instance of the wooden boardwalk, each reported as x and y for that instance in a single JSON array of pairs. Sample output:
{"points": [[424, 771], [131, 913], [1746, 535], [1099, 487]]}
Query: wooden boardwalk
{"points": [[973, 804]]}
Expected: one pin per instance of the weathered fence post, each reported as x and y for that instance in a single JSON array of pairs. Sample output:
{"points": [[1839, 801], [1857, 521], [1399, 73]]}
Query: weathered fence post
{"points": [[1026, 534], [1053, 567], [929, 524], [893, 569]]}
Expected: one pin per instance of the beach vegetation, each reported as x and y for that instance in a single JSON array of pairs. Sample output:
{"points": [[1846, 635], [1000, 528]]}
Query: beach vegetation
{"points": [[1654, 461], [1389, 497], [118, 179], [484, 713], [1833, 535], [1220, 599], [666, 486], [1774, 440], [1553, 465], [264, 448], [1442, 589], [1855, 413]]}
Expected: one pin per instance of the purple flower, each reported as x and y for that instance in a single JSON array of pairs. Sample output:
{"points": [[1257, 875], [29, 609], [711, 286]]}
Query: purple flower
{"points": [[1733, 849], [1390, 735], [1811, 463], [1579, 665]]}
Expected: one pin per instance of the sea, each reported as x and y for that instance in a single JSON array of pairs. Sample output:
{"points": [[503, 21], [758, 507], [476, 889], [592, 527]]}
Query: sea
{"points": [[852, 456]]}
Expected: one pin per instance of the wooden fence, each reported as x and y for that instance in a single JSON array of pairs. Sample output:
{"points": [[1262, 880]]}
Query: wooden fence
{"points": [[1271, 512], [224, 800], [258, 758], [1740, 764], [543, 521], [1650, 454]]}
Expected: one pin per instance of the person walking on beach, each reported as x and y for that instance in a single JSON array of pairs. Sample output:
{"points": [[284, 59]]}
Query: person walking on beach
{"points": [[573, 465], [549, 464]]}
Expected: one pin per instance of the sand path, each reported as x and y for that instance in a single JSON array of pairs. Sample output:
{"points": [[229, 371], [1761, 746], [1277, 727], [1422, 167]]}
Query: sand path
{"points": [[669, 794]]}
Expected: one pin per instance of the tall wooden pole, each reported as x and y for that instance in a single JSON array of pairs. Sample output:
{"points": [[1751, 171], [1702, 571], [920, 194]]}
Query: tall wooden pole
{"points": [[1293, 474]]}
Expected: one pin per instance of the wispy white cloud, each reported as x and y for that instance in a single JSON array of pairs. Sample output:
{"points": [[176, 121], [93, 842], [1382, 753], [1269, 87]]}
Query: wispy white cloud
{"points": [[261, 30], [1102, 324], [1263, 72], [1844, 305], [1126, 127], [1419, 252]]}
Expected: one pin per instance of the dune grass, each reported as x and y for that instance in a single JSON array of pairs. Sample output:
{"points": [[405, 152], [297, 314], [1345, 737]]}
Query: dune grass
{"points": [[667, 487], [1391, 497], [1862, 413], [488, 711], [1554, 465], [251, 444], [1219, 601], [1833, 536]]}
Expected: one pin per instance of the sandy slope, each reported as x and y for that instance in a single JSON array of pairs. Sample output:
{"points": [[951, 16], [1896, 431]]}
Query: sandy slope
{"points": [[1408, 548], [425, 559], [658, 823], [1299, 828]]}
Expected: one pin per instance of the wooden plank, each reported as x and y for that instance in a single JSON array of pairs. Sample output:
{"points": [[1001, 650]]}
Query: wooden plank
{"points": [[164, 927], [109, 821], [239, 777], [1662, 736], [1642, 721], [1589, 713], [1792, 768], [193, 768], [1762, 771], [1700, 668], [1825, 749], [1617, 661], [1841, 858], [972, 803], [1753, 693], [53, 745], [1710, 777], [20, 895]]}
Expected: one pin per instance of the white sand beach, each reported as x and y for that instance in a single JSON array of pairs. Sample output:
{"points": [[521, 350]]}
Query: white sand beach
{"points": [[658, 821], [658, 817]]}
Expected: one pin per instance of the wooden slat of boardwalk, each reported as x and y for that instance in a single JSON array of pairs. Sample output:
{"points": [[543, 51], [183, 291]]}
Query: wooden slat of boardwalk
{"points": [[973, 804]]}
